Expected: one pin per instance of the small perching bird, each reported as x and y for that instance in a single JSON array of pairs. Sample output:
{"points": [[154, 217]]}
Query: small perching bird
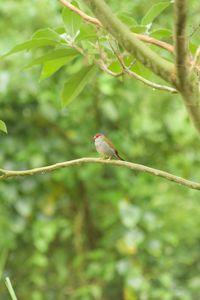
{"points": [[105, 148]]}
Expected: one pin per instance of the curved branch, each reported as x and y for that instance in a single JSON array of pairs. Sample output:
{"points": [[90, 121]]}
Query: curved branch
{"points": [[86, 160], [79, 12], [140, 78], [152, 84], [147, 82]]}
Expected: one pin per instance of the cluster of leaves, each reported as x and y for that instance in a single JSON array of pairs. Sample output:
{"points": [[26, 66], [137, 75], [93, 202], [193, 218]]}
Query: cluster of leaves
{"points": [[94, 232], [80, 43]]}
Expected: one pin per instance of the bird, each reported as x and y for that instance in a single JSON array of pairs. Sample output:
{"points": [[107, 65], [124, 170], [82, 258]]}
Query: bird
{"points": [[105, 148]]}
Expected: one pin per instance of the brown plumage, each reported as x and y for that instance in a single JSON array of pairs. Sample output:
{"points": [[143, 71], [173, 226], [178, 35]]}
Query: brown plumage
{"points": [[105, 147]]}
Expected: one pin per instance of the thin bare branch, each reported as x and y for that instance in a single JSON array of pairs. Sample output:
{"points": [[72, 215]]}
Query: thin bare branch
{"points": [[195, 60], [153, 85], [79, 12], [104, 68], [90, 160], [153, 41], [127, 70]]}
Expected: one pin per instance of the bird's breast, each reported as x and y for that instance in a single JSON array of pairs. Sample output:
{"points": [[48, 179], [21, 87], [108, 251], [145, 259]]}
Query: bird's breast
{"points": [[103, 147]]}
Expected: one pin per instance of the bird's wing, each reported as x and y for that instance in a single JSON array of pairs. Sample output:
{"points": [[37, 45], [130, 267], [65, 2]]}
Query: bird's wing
{"points": [[113, 147], [109, 143]]}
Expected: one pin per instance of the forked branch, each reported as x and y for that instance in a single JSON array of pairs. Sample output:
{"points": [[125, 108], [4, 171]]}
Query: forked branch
{"points": [[143, 37], [89, 160], [96, 22]]}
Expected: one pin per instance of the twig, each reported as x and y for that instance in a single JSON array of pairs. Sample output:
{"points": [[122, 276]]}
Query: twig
{"points": [[97, 23], [79, 12], [87, 160], [137, 76], [104, 68], [142, 37], [195, 60], [150, 83], [153, 41]]}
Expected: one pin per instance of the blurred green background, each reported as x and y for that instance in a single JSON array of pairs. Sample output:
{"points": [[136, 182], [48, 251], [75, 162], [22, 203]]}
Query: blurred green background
{"points": [[94, 231]]}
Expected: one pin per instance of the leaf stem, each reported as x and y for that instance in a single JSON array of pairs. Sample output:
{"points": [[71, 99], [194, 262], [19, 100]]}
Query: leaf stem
{"points": [[10, 288]]}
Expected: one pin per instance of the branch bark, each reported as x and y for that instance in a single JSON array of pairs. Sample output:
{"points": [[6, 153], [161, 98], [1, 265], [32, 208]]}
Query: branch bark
{"points": [[181, 42], [186, 78], [88, 160]]}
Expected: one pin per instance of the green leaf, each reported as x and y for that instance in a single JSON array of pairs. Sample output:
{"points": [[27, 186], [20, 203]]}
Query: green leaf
{"points": [[31, 44], [3, 126], [115, 67], [127, 19], [52, 55], [88, 33], [52, 66], [129, 59], [47, 33], [71, 21], [76, 83], [154, 12], [193, 47], [139, 28], [161, 33]]}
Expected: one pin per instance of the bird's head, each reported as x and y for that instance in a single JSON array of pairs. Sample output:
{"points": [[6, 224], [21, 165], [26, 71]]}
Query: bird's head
{"points": [[97, 136]]}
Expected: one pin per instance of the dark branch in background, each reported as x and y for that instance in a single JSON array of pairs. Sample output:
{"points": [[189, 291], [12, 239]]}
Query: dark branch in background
{"points": [[88, 160], [187, 80]]}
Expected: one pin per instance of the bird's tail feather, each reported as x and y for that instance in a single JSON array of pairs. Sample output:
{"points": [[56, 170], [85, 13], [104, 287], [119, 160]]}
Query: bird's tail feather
{"points": [[117, 156]]}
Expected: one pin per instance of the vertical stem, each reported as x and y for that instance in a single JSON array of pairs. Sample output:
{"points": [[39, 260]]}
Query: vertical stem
{"points": [[10, 288], [187, 80]]}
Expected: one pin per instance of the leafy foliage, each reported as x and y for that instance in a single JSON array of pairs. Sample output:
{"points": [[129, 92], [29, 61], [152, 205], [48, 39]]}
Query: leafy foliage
{"points": [[76, 83], [154, 12], [3, 126]]}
